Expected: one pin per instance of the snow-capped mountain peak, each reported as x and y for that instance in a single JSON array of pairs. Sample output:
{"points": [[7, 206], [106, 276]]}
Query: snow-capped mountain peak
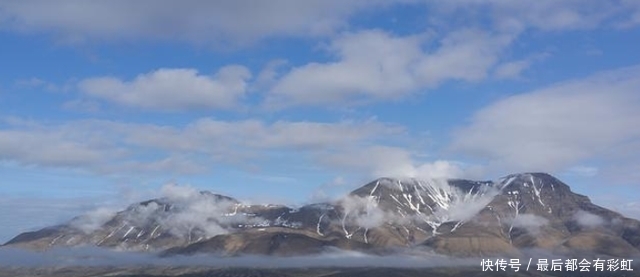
{"points": [[455, 216]]}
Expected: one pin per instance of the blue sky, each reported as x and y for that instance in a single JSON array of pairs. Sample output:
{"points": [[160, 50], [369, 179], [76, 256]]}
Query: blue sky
{"points": [[104, 102]]}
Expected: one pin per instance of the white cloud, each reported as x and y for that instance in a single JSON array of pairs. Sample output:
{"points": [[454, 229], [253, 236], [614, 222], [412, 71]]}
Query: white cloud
{"points": [[529, 222], [193, 211], [51, 148], [114, 148], [108, 147], [269, 74], [546, 15], [626, 172], [623, 202], [193, 21], [172, 89], [511, 70], [193, 214], [515, 68], [630, 209], [388, 161], [554, 128], [587, 219], [371, 63], [363, 212], [217, 22], [466, 55], [93, 220], [375, 65], [196, 212], [176, 192], [250, 135], [30, 213], [461, 206], [584, 171], [633, 8], [336, 187]]}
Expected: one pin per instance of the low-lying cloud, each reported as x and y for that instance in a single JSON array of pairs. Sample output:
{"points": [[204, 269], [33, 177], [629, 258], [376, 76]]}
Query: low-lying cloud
{"points": [[93, 256], [93, 220], [587, 219], [181, 210], [363, 212], [530, 222]]}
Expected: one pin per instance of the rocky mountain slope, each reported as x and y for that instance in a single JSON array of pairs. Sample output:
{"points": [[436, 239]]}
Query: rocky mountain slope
{"points": [[451, 217]]}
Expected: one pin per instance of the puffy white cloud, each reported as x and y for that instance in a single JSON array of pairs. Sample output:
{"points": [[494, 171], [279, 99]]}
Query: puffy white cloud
{"points": [[93, 220], [172, 89], [461, 206], [464, 208], [371, 63], [529, 222], [176, 192], [375, 65], [557, 127], [587, 219], [363, 212], [193, 214], [466, 54], [380, 160], [192, 210]]}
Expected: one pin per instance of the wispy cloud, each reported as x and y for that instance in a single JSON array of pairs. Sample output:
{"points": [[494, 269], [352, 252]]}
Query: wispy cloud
{"points": [[374, 65], [331, 258], [173, 89], [31, 213], [556, 127], [192, 21], [530, 222], [110, 147], [587, 219], [546, 15]]}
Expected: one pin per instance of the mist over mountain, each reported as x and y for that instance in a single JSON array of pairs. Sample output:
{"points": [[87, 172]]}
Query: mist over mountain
{"points": [[448, 217]]}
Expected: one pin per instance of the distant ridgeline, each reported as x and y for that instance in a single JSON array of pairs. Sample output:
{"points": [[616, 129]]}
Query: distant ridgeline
{"points": [[453, 217]]}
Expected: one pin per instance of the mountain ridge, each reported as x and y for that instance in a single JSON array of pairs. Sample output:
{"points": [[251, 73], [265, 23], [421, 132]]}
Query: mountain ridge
{"points": [[454, 217]]}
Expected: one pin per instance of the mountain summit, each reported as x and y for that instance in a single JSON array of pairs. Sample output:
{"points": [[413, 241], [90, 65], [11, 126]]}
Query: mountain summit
{"points": [[451, 217]]}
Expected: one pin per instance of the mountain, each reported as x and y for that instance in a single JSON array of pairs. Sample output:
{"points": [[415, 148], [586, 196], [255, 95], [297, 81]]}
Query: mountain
{"points": [[451, 217]]}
